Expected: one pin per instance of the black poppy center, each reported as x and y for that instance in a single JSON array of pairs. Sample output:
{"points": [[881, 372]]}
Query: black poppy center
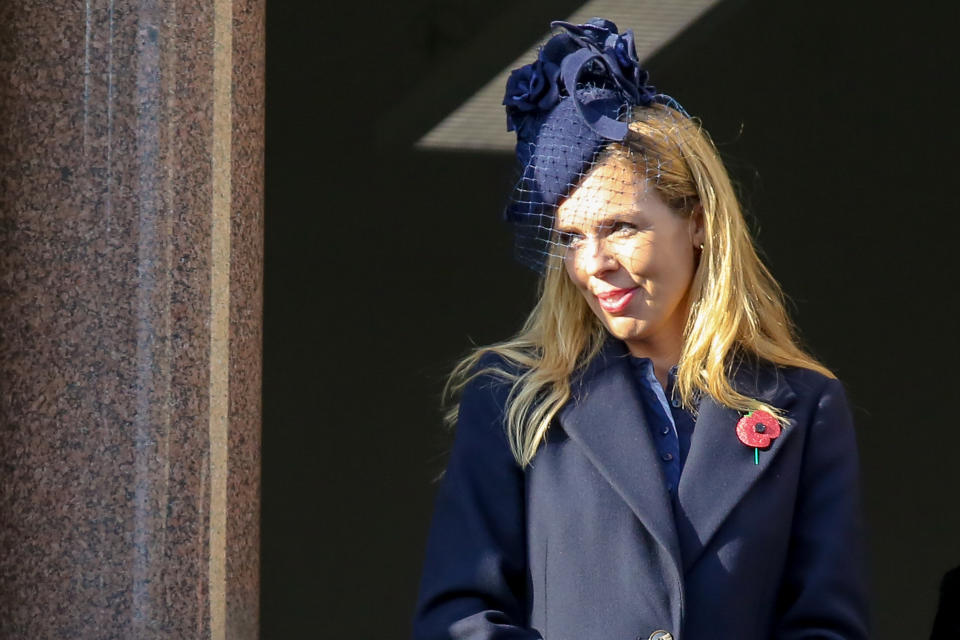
{"points": [[759, 427]]}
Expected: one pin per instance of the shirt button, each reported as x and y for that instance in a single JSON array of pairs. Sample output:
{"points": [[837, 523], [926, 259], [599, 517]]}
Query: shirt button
{"points": [[675, 402], [667, 456]]}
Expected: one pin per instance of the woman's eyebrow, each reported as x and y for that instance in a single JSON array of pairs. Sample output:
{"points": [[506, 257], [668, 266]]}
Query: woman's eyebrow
{"points": [[566, 228], [605, 222]]}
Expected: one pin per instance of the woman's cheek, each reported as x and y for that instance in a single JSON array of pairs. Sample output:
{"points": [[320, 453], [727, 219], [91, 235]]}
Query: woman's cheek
{"points": [[639, 258], [576, 275]]}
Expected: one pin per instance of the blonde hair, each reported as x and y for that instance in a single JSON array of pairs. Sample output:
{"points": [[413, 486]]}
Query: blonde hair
{"points": [[736, 308]]}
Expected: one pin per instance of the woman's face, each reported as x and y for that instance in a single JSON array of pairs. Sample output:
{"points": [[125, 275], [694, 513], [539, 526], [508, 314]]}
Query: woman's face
{"points": [[631, 256]]}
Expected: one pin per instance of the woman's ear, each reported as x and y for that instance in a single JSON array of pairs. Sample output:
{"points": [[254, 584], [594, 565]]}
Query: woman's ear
{"points": [[698, 232]]}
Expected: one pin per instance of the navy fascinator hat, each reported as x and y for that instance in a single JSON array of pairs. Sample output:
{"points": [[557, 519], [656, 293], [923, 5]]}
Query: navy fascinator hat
{"points": [[565, 106]]}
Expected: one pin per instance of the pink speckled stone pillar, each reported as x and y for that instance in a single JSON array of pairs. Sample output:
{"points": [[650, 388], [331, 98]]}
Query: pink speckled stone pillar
{"points": [[131, 243]]}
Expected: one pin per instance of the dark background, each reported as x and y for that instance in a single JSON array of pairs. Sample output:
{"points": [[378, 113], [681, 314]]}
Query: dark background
{"points": [[384, 263]]}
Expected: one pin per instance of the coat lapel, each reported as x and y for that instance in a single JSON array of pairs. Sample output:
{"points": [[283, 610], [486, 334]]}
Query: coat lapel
{"points": [[605, 417], [719, 468]]}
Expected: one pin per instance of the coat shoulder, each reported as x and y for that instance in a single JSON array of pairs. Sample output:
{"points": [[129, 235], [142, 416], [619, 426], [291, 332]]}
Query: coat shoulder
{"points": [[806, 382], [491, 378], [814, 396], [483, 404], [764, 379]]}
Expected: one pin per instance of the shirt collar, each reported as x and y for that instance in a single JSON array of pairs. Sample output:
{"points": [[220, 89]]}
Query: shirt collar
{"points": [[642, 362]]}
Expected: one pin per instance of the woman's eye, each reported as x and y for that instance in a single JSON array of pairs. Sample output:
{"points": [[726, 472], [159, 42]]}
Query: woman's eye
{"points": [[623, 227], [569, 238]]}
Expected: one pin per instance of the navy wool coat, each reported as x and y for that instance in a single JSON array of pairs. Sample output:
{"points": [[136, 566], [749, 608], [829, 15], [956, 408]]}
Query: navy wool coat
{"points": [[587, 544]]}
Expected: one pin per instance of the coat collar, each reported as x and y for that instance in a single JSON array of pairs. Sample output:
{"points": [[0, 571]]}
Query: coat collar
{"points": [[720, 469], [605, 417]]}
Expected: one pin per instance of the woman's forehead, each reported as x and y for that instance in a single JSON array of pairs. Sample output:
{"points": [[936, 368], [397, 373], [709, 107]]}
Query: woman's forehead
{"points": [[608, 189]]}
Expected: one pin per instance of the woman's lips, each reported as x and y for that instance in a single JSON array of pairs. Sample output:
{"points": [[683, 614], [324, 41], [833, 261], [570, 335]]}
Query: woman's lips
{"points": [[616, 300]]}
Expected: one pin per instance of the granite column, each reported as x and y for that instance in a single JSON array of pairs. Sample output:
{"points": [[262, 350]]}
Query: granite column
{"points": [[131, 243]]}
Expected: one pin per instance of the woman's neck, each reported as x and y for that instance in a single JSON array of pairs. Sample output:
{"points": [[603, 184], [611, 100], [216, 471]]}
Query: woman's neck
{"points": [[664, 347], [662, 356]]}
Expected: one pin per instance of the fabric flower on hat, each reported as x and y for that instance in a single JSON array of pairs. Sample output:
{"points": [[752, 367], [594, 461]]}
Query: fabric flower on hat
{"points": [[538, 86], [532, 87], [619, 51]]}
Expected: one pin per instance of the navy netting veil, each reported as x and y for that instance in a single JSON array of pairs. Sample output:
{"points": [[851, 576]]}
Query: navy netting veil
{"points": [[571, 107]]}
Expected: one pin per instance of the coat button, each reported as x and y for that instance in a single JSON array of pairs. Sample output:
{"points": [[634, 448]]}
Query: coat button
{"points": [[660, 634], [667, 457]]}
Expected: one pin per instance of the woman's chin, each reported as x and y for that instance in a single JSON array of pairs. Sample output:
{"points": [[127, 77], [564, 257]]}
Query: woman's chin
{"points": [[625, 327]]}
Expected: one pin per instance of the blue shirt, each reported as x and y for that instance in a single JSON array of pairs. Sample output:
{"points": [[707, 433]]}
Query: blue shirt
{"points": [[671, 426]]}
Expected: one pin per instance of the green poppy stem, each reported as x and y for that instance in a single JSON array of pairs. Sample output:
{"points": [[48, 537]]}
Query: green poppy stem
{"points": [[756, 455]]}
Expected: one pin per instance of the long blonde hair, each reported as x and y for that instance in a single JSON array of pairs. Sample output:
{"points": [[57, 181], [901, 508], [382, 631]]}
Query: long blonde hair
{"points": [[736, 308]]}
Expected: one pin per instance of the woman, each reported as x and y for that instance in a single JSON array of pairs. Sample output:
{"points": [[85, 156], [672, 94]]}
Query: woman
{"points": [[653, 455]]}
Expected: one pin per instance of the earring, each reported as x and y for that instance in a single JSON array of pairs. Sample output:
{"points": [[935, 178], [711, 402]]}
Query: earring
{"points": [[701, 246]]}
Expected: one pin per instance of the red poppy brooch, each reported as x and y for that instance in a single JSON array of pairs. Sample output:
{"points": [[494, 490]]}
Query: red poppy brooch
{"points": [[757, 429]]}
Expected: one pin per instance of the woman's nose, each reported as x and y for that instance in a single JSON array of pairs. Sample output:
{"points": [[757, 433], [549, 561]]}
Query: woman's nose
{"points": [[596, 257]]}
